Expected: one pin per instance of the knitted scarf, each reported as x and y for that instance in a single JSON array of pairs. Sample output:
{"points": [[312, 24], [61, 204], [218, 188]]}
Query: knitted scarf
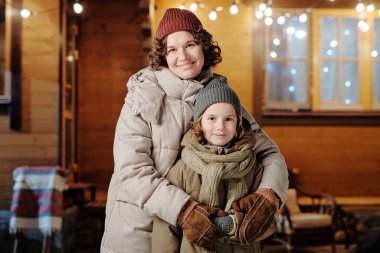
{"points": [[233, 165]]}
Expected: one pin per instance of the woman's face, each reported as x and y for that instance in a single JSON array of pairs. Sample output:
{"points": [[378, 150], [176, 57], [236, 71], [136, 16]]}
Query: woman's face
{"points": [[184, 57], [219, 123]]}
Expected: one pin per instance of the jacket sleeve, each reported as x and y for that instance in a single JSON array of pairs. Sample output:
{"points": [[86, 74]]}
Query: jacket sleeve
{"points": [[139, 181], [275, 174], [165, 237]]}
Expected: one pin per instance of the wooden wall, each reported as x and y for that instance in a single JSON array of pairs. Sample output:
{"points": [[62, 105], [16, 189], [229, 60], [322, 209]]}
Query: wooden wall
{"points": [[36, 143], [342, 160], [111, 51]]}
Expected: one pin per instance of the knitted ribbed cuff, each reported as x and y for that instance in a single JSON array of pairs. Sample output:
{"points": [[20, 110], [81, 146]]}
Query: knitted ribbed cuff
{"points": [[225, 224], [186, 209], [270, 195]]}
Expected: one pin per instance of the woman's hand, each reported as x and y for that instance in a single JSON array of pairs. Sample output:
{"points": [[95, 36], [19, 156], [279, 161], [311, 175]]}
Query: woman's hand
{"points": [[197, 226]]}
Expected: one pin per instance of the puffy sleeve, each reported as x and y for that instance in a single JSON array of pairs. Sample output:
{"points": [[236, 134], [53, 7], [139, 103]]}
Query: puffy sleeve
{"points": [[275, 174], [139, 181]]}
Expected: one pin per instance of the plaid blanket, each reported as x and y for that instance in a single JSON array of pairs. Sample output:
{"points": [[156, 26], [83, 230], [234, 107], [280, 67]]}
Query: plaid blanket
{"points": [[37, 199]]}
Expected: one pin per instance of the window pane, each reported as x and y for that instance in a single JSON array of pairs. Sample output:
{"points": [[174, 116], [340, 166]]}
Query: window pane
{"points": [[329, 37], [297, 81], [277, 82], [298, 39], [376, 39], [349, 37], [329, 80], [376, 82], [350, 89], [277, 42]]}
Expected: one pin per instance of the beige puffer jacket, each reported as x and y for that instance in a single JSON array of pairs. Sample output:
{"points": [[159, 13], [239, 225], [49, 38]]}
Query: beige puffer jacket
{"points": [[157, 112]]}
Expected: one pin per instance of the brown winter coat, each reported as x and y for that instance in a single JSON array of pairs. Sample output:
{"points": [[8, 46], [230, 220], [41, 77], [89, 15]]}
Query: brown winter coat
{"points": [[167, 238]]}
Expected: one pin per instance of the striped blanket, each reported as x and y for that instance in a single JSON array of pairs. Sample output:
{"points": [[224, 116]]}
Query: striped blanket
{"points": [[37, 199]]}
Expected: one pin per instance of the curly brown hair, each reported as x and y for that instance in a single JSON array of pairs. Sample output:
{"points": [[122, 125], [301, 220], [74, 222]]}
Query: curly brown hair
{"points": [[211, 50], [197, 132]]}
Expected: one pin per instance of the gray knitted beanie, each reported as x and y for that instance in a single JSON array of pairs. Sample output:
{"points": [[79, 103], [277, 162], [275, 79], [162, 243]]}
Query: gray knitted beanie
{"points": [[216, 91]]}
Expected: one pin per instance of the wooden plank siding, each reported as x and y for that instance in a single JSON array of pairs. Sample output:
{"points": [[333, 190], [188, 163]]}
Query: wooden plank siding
{"points": [[344, 161], [37, 142], [110, 51]]}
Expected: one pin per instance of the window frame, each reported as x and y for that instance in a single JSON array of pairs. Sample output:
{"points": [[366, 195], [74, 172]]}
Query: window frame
{"points": [[12, 106], [288, 105], [300, 117]]}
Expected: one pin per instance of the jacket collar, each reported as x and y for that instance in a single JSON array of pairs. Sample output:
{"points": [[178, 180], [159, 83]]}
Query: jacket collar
{"points": [[178, 88]]}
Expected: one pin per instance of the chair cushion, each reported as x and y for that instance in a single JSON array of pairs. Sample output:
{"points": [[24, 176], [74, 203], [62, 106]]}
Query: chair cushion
{"points": [[291, 201], [311, 220]]}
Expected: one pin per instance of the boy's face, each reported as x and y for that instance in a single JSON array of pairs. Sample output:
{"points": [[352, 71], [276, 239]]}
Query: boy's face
{"points": [[219, 123]]}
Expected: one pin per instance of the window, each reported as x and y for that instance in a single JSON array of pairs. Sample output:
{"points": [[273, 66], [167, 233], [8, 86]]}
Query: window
{"points": [[287, 63], [341, 72]]}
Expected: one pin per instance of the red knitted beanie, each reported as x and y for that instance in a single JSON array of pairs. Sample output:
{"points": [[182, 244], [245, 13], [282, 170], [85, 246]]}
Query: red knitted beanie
{"points": [[175, 20]]}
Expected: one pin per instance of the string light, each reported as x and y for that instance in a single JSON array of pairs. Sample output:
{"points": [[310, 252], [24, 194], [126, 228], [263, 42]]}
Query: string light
{"points": [[78, 8], [213, 15], [281, 20], [25, 13], [194, 6], [360, 7], [363, 25], [264, 10], [302, 18], [370, 8], [234, 9]]}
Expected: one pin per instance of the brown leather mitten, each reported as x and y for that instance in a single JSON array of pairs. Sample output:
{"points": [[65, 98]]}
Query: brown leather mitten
{"points": [[258, 218], [197, 226]]}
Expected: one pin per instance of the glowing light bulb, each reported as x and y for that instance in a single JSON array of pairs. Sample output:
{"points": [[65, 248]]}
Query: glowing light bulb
{"points": [[213, 15], [290, 30], [360, 7], [281, 20], [370, 8], [363, 25], [333, 43], [234, 9], [25, 13], [276, 41], [268, 12], [78, 8], [302, 18], [259, 14], [194, 6], [262, 7], [268, 21], [273, 54]]}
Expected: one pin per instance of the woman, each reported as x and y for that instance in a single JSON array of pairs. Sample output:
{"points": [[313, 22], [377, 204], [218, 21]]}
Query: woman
{"points": [[157, 112]]}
